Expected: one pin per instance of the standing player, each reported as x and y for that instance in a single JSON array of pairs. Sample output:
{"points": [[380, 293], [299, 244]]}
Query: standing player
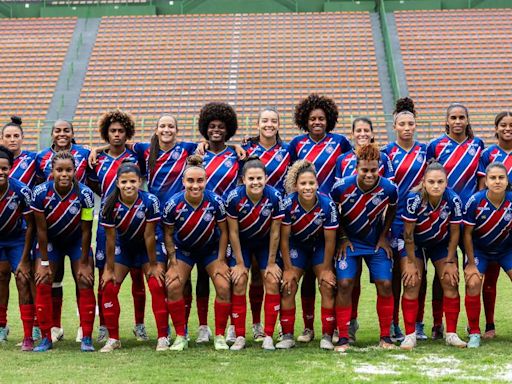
{"points": [[501, 152], [16, 235], [196, 232], [130, 216], [63, 213], [367, 205], [316, 115], [487, 226]]}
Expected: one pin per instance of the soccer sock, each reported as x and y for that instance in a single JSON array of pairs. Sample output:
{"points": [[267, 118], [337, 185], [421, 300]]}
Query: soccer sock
{"points": [[56, 307], [239, 313], [159, 306], [308, 311], [473, 308], [421, 303], [139, 294], [437, 312], [489, 291], [342, 320], [288, 321], [111, 309], [451, 312], [222, 311], [385, 313], [356, 294], [44, 308], [328, 320], [409, 310], [256, 299], [202, 309], [272, 306], [3, 315], [188, 307], [27, 318], [87, 308], [177, 311]]}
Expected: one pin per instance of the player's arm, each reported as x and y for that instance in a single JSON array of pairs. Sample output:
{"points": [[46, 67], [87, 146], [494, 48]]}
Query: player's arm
{"points": [[272, 267], [284, 245], [110, 249], [155, 269], [87, 217], [234, 240], [453, 243], [24, 265], [471, 268], [383, 238], [43, 271], [169, 244]]}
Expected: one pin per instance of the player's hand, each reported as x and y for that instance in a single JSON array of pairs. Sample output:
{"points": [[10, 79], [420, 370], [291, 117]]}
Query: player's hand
{"points": [[238, 272], [451, 273], [202, 147], [384, 244], [85, 273], [171, 275], [240, 152], [157, 271], [274, 271], [470, 271], [289, 282], [221, 269], [108, 275], [245, 140], [342, 252], [92, 160], [43, 274], [327, 277], [410, 274], [24, 270]]}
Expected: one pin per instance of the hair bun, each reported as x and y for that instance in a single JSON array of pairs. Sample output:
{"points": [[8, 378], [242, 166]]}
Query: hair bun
{"points": [[195, 161], [252, 157], [16, 120], [405, 104]]}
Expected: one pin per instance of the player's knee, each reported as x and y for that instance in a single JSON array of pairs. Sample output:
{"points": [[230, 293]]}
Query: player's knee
{"points": [[327, 291], [384, 288], [5, 276], [175, 290], [223, 290], [345, 286]]}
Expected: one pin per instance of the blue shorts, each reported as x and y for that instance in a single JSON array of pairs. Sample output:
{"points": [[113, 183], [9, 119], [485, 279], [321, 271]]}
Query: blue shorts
{"points": [[12, 250], [380, 266], [482, 259], [201, 257], [58, 250], [135, 255], [307, 255], [258, 250], [434, 253]]}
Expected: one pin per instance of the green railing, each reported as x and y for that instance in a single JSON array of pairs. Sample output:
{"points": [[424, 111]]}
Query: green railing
{"points": [[389, 51]]}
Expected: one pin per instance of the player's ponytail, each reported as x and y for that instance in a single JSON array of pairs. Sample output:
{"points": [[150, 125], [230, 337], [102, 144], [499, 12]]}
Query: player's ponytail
{"points": [[433, 165], [404, 106], [154, 146], [499, 165], [15, 122], [469, 129], [252, 161], [297, 169], [194, 161], [6, 154]]}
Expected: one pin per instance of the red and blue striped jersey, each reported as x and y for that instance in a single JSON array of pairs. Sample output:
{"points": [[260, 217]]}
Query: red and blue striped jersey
{"points": [[24, 168], [323, 154], [222, 170], [44, 162], [194, 228], [495, 153], [432, 223], [276, 161], [164, 180], [492, 225], [460, 160], [62, 213], [14, 203], [130, 221], [346, 165], [105, 171], [254, 219], [362, 213], [307, 226]]}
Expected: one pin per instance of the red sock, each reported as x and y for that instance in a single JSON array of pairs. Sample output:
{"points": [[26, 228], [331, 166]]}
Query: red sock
{"points": [[3, 315], [44, 308], [138, 294], [256, 299], [222, 311], [308, 311], [159, 306], [385, 313], [451, 313], [409, 310], [421, 305], [437, 312], [202, 310], [188, 307], [239, 313], [177, 311], [27, 318], [343, 315], [356, 294], [328, 320], [56, 311], [87, 308], [473, 307], [272, 306], [489, 291], [111, 309], [288, 321]]}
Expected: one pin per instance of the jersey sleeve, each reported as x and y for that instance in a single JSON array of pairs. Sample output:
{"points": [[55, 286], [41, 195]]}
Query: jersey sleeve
{"points": [[483, 163], [220, 210], [169, 212], [344, 143], [26, 199], [469, 216], [336, 191], [393, 195], [277, 206], [337, 171], [39, 171], [431, 150], [152, 209], [86, 197], [412, 204], [456, 208], [37, 203], [330, 215], [387, 165], [292, 149], [287, 210], [232, 204]]}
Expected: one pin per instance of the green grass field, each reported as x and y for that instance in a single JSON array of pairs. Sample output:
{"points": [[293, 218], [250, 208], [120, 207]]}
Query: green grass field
{"points": [[138, 362]]}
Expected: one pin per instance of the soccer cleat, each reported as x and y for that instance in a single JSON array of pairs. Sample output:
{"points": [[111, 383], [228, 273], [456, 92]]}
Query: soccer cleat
{"points": [[102, 334], [180, 343], [257, 332], [4, 332], [162, 344], [36, 333], [86, 344], [352, 329], [27, 345], [409, 342], [490, 331], [326, 343], [437, 332], [420, 332], [79, 335], [287, 342], [396, 333], [220, 343], [306, 336], [239, 344], [474, 340], [279, 332], [111, 345], [268, 344], [139, 331], [44, 346], [454, 340], [57, 334], [342, 345], [231, 337], [204, 334], [386, 343], [335, 336]]}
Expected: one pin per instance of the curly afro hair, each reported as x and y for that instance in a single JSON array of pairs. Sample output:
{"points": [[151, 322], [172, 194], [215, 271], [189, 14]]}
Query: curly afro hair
{"points": [[314, 101], [218, 111], [116, 116]]}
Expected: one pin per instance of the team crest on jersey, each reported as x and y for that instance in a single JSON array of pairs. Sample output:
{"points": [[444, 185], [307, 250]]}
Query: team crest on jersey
{"points": [[73, 210], [228, 163], [279, 157], [293, 253], [376, 200], [443, 215], [265, 212], [507, 217], [420, 158], [23, 165], [472, 151], [140, 215], [175, 155], [318, 220], [343, 264], [117, 250], [13, 205], [100, 255], [208, 216], [329, 149]]}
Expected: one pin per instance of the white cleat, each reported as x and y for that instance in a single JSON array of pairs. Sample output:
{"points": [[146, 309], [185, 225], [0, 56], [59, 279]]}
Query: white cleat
{"points": [[239, 344], [326, 343], [287, 342], [219, 342], [204, 334], [307, 336], [258, 332], [162, 344], [451, 338], [409, 342], [79, 335], [231, 336], [111, 345], [268, 344], [57, 334]]}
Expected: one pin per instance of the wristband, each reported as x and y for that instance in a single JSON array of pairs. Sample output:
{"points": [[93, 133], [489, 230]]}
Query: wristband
{"points": [[45, 263]]}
